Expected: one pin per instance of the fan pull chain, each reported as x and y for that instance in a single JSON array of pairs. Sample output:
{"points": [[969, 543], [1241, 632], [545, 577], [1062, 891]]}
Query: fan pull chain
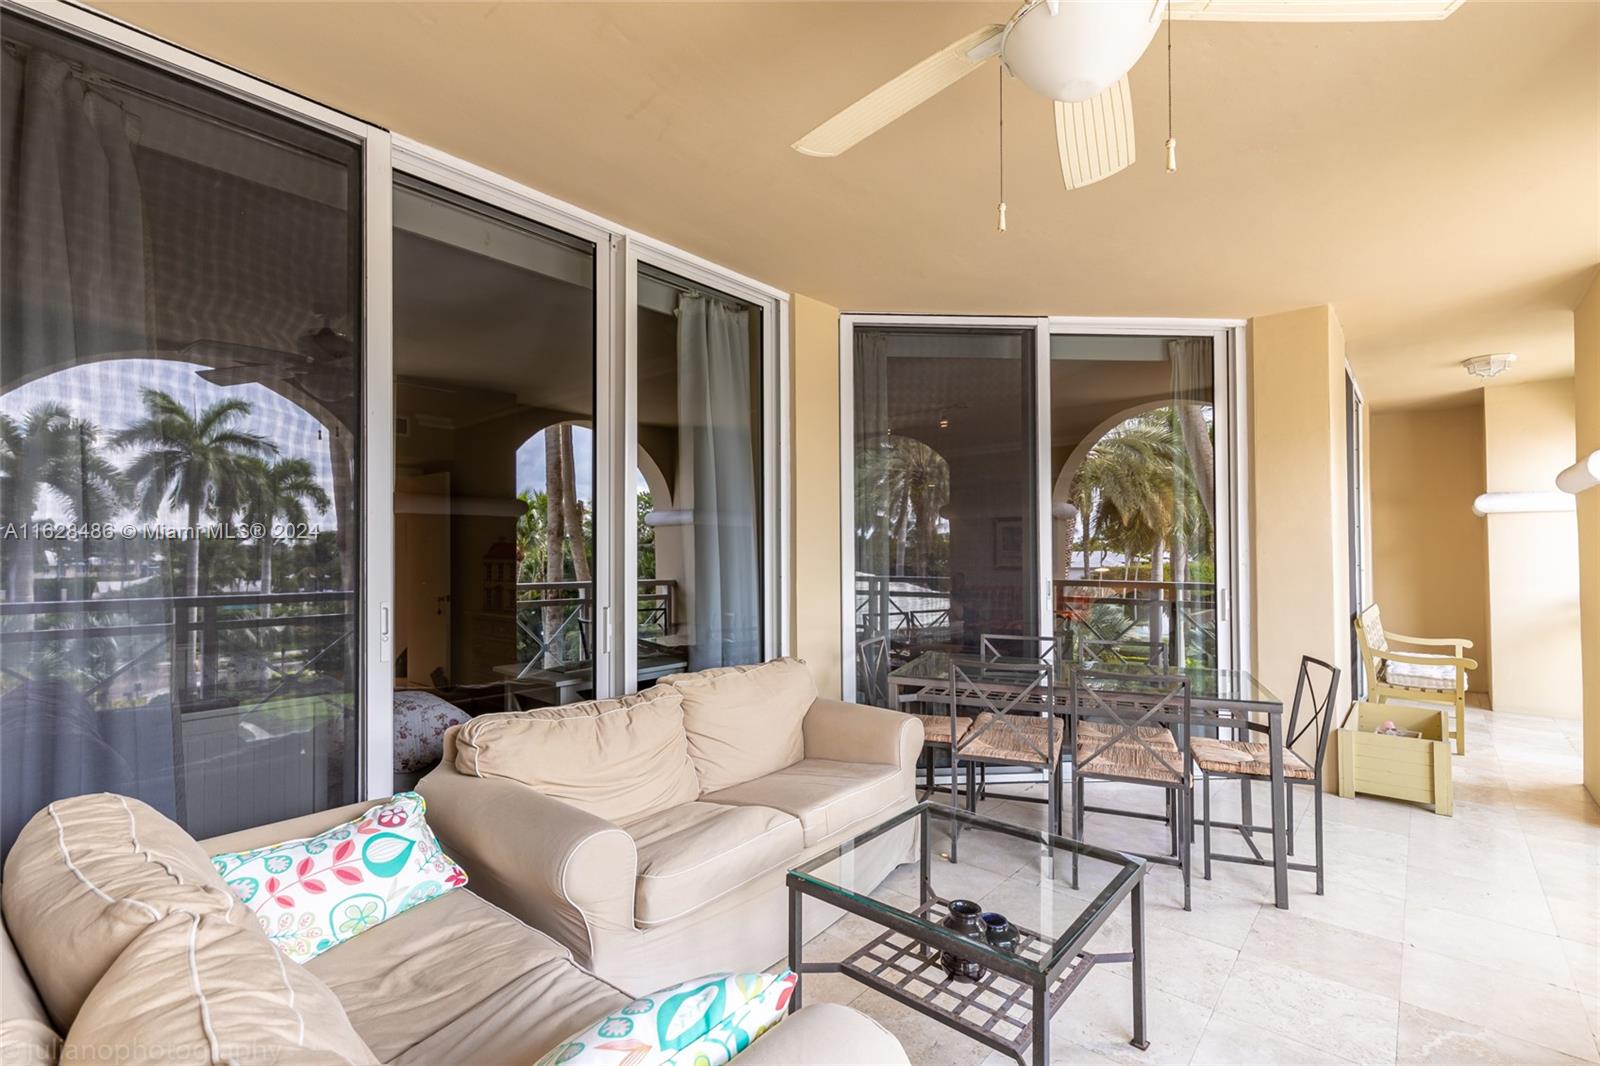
{"points": [[1002, 69], [1172, 142]]}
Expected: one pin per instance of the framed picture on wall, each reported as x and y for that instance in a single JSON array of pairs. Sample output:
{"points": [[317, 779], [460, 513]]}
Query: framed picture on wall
{"points": [[1010, 544]]}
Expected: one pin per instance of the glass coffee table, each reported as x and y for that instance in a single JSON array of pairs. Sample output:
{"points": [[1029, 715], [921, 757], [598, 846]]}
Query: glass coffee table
{"points": [[1008, 1007]]}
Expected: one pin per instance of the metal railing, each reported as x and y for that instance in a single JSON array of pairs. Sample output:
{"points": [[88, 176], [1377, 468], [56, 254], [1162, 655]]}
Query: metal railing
{"points": [[907, 608], [1170, 623], [195, 648], [555, 619]]}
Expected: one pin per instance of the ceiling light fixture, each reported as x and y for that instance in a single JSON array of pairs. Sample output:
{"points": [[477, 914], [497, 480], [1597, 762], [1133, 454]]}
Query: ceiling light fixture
{"points": [[1488, 366]]}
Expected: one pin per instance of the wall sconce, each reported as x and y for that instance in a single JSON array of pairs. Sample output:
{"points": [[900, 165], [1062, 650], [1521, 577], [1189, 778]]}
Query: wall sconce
{"points": [[1581, 475]]}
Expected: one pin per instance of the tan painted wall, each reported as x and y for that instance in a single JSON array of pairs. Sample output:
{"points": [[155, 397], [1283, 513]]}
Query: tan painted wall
{"points": [[814, 358], [1299, 495], [1533, 558], [1586, 402], [1430, 552]]}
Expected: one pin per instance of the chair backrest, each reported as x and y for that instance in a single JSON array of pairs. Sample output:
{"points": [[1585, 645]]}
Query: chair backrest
{"points": [[1122, 705], [1316, 693], [872, 670], [1003, 694], [1012, 646], [1369, 626]]}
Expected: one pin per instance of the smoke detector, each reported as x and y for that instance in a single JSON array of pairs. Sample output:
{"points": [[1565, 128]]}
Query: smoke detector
{"points": [[1488, 366]]}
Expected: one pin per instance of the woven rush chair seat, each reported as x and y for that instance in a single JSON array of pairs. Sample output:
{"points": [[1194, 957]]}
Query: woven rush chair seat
{"points": [[1153, 735], [1128, 759], [1016, 739], [1247, 757], [936, 728]]}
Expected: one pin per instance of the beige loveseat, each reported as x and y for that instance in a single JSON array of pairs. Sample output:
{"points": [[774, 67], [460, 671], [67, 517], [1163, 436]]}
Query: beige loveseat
{"points": [[651, 834], [129, 943]]}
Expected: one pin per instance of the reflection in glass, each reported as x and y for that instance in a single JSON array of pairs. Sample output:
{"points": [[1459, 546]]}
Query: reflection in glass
{"points": [[494, 462], [699, 390], [945, 490], [1134, 547], [179, 445]]}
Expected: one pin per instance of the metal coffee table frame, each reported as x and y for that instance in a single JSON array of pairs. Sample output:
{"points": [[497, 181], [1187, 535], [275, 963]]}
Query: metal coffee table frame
{"points": [[1012, 1007]]}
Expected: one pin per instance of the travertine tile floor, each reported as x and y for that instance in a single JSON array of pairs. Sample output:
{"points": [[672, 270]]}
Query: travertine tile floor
{"points": [[1470, 939]]}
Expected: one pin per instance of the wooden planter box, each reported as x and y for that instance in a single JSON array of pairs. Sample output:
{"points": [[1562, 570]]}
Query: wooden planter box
{"points": [[1404, 768]]}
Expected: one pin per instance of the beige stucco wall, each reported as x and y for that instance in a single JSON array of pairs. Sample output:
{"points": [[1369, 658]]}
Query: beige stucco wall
{"points": [[1529, 437], [1586, 403], [1299, 495], [814, 359], [1430, 554]]}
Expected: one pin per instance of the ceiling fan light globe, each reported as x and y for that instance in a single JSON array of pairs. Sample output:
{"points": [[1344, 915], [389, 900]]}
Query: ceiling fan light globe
{"points": [[1079, 49]]}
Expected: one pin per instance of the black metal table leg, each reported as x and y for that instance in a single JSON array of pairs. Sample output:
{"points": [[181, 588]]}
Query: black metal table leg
{"points": [[1280, 850], [1041, 1025], [796, 939], [1137, 902]]}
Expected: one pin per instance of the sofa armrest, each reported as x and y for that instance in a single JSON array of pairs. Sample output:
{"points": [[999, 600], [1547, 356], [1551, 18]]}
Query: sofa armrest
{"points": [[562, 870], [855, 732], [826, 1033]]}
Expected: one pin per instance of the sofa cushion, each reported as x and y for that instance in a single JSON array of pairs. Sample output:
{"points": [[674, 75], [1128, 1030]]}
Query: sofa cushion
{"points": [[1434, 676], [744, 722], [203, 989], [430, 972], [618, 759], [93, 872], [694, 853], [26, 1035], [311, 893], [826, 797]]}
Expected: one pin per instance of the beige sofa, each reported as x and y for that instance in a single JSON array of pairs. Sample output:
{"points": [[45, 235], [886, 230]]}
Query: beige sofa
{"points": [[651, 835], [128, 943]]}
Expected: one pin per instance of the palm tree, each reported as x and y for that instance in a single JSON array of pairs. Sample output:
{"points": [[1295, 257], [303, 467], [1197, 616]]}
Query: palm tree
{"points": [[50, 450], [279, 491], [191, 461]]}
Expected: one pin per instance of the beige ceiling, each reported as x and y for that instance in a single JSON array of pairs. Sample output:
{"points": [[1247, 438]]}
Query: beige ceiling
{"points": [[1439, 183]]}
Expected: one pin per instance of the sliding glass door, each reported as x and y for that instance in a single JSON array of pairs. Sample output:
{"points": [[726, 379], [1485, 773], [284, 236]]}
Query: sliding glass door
{"points": [[1134, 500], [1069, 479], [495, 520], [181, 444], [945, 488], [700, 392]]}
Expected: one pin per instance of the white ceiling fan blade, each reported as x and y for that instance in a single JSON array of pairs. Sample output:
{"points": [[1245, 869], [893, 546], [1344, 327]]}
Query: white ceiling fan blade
{"points": [[894, 98], [1314, 10], [1095, 136]]}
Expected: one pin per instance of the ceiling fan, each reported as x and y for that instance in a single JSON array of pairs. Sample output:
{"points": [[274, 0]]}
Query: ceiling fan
{"points": [[1078, 53]]}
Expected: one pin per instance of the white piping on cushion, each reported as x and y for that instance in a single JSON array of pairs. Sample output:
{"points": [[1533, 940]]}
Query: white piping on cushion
{"points": [[154, 860], [300, 1019], [66, 857], [199, 993], [588, 931]]}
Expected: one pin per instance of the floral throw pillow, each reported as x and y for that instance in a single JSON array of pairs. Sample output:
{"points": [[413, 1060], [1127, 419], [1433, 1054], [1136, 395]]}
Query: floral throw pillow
{"points": [[312, 894], [704, 1022]]}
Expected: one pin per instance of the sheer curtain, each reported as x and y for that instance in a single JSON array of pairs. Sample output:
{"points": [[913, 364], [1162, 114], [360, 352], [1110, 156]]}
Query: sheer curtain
{"points": [[75, 290], [716, 443]]}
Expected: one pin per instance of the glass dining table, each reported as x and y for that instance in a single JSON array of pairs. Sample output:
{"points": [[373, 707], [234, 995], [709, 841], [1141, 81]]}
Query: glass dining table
{"points": [[1221, 698]]}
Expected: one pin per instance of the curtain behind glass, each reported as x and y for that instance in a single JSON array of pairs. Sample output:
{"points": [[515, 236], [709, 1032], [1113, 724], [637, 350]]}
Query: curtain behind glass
{"points": [[1192, 616], [179, 398], [715, 439]]}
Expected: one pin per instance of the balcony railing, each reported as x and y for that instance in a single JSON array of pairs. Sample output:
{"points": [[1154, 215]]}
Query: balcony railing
{"points": [[555, 619], [1127, 621]]}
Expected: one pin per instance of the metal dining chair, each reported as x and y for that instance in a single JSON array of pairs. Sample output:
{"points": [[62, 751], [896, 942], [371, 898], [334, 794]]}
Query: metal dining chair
{"points": [[992, 646], [1009, 728], [1135, 729], [872, 671], [1248, 761]]}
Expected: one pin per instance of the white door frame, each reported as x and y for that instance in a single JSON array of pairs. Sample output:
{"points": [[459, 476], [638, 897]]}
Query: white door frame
{"points": [[1231, 427], [376, 518], [383, 155], [774, 429], [847, 464]]}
